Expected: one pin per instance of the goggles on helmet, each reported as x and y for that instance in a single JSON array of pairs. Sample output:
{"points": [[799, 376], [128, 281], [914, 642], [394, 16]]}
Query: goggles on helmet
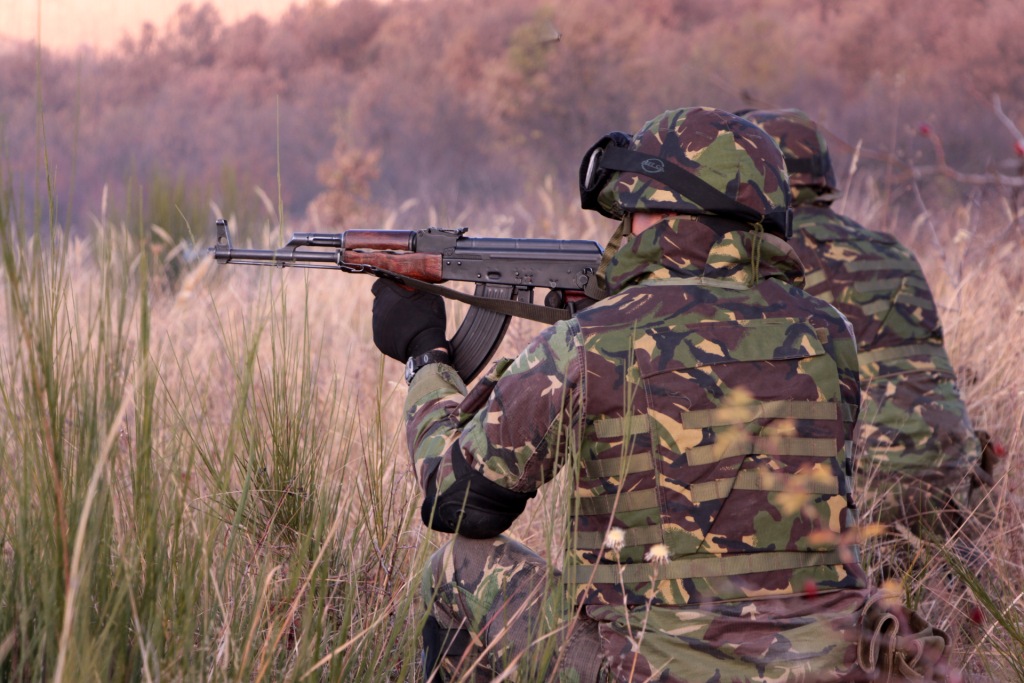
{"points": [[594, 176], [611, 154]]}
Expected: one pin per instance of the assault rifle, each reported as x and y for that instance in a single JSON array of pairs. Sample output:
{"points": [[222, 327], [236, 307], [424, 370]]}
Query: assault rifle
{"points": [[504, 270]]}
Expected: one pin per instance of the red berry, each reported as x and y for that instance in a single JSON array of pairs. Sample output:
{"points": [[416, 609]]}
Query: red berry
{"points": [[976, 615], [1018, 147], [999, 449], [924, 130]]}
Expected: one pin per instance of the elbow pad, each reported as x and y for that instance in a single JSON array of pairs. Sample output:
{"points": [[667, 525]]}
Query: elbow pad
{"points": [[474, 507]]}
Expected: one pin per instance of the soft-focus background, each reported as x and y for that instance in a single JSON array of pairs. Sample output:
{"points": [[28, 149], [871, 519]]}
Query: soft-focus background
{"points": [[360, 105], [203, 469], [99, 25]]}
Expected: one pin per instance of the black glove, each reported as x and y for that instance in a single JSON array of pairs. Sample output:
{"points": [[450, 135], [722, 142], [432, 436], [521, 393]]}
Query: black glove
{"points": [[406, 322]]}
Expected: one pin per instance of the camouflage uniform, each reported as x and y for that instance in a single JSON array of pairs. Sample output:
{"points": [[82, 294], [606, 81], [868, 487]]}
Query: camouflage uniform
{"points": [[916, 448], [703, 411]]}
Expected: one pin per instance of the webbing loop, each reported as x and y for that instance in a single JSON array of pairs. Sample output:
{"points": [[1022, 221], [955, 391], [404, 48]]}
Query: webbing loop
{"points": [[633, 536], [727, 415], [761, 445], [699, 567], [628, 501], [880, 285], [610, 428], [900, 352], [619, 467], [759, 480], [875, 264]]}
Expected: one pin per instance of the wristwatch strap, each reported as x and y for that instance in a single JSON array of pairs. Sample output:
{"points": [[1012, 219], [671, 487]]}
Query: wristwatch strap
{"points": [[413, 365]]}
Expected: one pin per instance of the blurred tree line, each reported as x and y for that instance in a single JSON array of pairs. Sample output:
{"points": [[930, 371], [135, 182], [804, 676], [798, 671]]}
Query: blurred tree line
{"points": [[357, 105]]}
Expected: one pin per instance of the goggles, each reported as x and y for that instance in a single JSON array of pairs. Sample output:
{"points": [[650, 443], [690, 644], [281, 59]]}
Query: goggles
{"points": [[594, 175]]}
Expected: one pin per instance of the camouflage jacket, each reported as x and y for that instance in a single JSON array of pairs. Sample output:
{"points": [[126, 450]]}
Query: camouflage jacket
{"points": [[706, 419], [870, 277], [912, 417]]}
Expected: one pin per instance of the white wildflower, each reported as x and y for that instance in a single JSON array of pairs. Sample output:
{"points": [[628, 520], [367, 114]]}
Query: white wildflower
{"points": [[658, 554], [615, 538]]}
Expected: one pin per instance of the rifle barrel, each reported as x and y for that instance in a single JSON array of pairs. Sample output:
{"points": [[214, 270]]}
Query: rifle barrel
{"points": [[282, 257]]}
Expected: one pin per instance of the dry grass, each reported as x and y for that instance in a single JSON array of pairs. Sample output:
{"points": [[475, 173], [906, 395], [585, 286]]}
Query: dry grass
{"points": [[967, 252], [205, 475]]}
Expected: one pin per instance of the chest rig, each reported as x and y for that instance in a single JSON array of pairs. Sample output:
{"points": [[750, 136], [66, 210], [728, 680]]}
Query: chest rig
{"points": [[714, 464]]}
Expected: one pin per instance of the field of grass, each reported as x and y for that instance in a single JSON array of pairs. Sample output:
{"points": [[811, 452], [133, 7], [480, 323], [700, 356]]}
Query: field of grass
{"points": [[204, 473]]}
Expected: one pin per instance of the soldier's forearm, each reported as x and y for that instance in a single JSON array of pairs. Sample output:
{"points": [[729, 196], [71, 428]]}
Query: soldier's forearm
{"points": [[434, 395]]}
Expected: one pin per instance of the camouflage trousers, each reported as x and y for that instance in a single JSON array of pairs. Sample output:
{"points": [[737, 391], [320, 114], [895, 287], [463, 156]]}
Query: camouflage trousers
{"points": [[498, 594], [506, 602], [916, 451]]}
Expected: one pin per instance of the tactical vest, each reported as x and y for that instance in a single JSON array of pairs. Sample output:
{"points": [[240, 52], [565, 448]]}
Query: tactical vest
{"points": [[714, 462], [869, 276]]}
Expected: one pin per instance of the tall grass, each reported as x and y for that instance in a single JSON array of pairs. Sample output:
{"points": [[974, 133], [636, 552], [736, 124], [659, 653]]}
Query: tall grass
{"points": [[968, 254], [193, 489], [205, 477]]}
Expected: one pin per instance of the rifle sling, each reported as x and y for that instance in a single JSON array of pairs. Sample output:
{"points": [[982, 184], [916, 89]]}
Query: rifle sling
{"points": [[519, 309]]}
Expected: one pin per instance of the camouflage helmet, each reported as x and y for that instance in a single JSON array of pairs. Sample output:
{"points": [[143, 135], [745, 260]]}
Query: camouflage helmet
{"points": [[803, 146], [696, 161]]}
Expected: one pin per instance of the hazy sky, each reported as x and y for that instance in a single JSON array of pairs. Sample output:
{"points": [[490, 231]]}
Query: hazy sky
{"points": [[67, 24]]}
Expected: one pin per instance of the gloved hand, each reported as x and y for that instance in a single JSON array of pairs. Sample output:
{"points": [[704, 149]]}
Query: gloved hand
{"points": [[406, 322]]}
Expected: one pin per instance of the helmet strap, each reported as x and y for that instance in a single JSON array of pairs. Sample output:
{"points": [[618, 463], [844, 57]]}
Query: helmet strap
{"points": [[703, 195]]}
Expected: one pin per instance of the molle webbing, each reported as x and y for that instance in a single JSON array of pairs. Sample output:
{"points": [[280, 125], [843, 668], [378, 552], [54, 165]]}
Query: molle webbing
{"points": [[758, 480], [632, 537], [619, 426], [745, 480], [818, 277], [764, 445], [900, 352], [728, 447], [713, 453], [799, 410], [618, 467], [698, 567], [939, 361], [699, 493], [891, 264], [890, 284], [627, 501], [725, 415]]}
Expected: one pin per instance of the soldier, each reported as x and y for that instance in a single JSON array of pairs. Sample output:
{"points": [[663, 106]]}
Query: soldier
{"points": [[916, 449], [703, 411]]}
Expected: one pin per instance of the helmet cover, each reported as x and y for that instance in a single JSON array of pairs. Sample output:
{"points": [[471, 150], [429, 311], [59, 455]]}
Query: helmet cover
{"points": [[699, 161], [803, 146]]}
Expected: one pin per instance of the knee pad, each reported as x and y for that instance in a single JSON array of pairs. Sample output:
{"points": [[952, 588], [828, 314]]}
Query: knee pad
{"points": [[473, 506]]}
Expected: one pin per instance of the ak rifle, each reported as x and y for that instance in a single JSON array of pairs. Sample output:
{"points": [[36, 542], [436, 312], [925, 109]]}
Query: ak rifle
{"points": [[505, 272]]}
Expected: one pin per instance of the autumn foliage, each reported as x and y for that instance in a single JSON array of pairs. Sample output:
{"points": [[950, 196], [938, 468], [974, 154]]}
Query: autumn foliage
{"points": [[359, 104]]}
